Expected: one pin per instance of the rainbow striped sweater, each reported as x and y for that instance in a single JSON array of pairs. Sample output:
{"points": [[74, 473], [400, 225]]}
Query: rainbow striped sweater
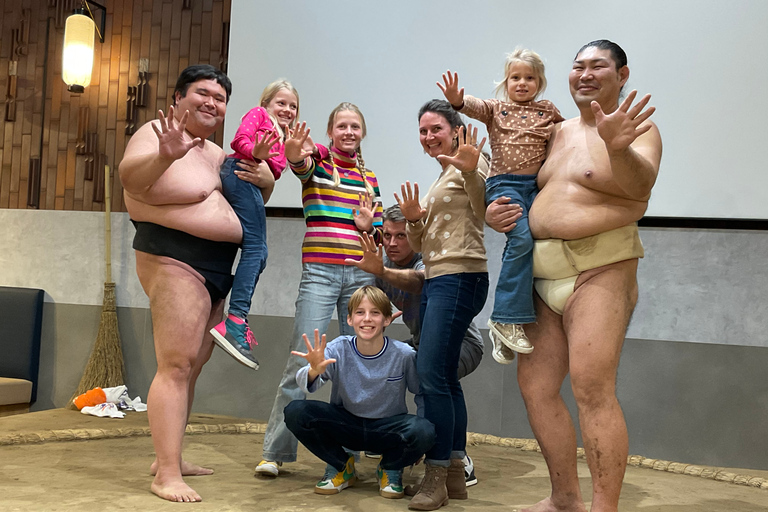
{"points": [[331, 235]]}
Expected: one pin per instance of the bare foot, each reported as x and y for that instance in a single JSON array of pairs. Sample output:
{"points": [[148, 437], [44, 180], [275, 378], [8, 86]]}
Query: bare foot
{"points": [[187, 469], [547, 505], [175, 490]]}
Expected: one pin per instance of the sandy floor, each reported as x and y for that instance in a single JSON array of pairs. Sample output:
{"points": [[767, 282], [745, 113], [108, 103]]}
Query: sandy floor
{"points": [[113, 474]]}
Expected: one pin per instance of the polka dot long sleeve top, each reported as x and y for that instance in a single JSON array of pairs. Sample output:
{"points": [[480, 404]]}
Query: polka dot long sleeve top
{"points": [[518, 132], [450, 235]]}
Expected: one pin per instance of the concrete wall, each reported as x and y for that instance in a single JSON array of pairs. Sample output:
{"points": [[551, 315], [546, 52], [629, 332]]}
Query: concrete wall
{"points": [[691, 378]]}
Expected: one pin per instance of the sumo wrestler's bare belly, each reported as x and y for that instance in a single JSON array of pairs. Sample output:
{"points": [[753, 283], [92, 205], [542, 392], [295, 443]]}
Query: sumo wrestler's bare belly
{"points": [[567, 214], [212, 218]]}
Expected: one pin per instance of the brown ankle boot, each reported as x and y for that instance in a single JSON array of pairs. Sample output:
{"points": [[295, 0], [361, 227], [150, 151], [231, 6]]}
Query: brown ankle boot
{"points": [[455, 483], [433, 493]]}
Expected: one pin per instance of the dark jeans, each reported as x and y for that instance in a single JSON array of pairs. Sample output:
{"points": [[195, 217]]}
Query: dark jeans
{"points": [[248, 203], [448, 305], [326, 429]]}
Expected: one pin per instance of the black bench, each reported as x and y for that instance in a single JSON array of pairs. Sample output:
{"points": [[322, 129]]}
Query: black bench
{"points": [[21, 321]]}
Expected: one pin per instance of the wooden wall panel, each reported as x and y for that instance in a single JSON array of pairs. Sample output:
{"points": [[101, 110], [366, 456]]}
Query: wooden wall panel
{"points": [[47, 128]]}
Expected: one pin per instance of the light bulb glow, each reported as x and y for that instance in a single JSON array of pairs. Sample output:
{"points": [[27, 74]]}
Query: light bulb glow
{"points": [[77, 56]]}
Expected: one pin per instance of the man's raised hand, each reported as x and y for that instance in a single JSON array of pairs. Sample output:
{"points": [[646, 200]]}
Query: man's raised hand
{"points": [[170, 135], [621, 127], [373, 256]]}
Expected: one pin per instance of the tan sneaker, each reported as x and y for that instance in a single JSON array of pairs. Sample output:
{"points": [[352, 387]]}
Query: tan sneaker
{"points": [[501, 353], [511, 335]]}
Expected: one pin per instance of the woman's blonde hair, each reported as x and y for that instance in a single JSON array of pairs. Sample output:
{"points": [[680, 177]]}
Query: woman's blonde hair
{"points": [[374, 294], [525, 56], [341, 107], [268, 95]]}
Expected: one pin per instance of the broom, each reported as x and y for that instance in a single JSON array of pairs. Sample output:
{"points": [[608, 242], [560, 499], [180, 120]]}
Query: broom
{"points": [[105, 367]]}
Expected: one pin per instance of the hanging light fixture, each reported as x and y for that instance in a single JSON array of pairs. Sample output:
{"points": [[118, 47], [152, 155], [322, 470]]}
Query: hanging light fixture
{"points": [[77, 56]]}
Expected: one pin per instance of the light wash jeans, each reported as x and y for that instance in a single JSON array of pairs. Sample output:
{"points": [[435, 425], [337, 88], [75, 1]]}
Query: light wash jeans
{"points": [[248, 203], [513, 298], [323, 288]]}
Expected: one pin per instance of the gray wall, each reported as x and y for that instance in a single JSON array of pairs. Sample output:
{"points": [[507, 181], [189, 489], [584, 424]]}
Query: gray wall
{"points": [[691, 380]]}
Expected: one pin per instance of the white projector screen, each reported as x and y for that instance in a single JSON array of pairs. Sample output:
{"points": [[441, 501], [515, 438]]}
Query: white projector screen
{"points": [[703, 61]]}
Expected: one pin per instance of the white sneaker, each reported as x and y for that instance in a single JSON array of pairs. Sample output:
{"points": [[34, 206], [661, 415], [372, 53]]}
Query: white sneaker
{"points": [[469, 472], [501, 353], [268, 468]]}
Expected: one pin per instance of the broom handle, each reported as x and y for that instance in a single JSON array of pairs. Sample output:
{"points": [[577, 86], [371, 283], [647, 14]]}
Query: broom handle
{"points": [[108, 223]]}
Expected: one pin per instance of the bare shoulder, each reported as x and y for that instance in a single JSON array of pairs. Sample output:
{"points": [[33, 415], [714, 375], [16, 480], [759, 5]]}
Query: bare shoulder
{"points": [[213, 152], [561, 131]]}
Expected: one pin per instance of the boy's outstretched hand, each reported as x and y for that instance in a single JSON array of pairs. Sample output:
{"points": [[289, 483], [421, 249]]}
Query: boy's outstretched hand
{"points": [[315, 356]]}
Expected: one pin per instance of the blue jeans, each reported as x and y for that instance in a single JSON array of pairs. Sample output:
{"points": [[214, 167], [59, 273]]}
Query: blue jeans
{"points": [[448, 305], [326, 429], [513, 298], [323, 288], [248, 203]]}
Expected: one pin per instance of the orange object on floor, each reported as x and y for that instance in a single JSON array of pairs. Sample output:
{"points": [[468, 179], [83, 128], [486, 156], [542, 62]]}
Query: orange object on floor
{"points": [[90, 398]]}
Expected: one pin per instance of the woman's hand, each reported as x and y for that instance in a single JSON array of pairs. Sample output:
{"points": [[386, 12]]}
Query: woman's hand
{"points": [[171, 135], [315, 356], [410, 206], [466, 156], [294, 146], [262, 149], [363, 214], [502, 216], [451, 91]]}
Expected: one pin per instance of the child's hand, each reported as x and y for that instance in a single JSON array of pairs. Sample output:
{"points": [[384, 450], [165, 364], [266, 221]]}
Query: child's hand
{"points": [[171, 136], [466, 156], [309, 145], [363, 214], [315, 356], [262, 149], [453, 94], [294, 145], [410, 206]]}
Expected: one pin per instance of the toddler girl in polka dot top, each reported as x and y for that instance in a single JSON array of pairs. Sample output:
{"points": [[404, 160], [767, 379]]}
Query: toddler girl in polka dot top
{"points": [[260, 137], [519, 128]]}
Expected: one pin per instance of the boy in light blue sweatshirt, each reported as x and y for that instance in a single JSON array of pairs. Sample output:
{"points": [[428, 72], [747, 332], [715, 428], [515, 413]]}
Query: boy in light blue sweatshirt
{"points": [[367, 409]]}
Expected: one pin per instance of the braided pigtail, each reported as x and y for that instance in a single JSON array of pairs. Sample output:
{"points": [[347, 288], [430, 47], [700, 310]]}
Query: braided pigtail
{"points": [[361, 168], [336, 177]]}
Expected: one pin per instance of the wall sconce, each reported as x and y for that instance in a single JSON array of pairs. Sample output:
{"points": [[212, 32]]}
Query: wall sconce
{"points": [[77, 61]]}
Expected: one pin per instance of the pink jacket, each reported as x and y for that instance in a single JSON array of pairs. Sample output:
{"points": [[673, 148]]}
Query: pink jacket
{"points": [[257, 121]]}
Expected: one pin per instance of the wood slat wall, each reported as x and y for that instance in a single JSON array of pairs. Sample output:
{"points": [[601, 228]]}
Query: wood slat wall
{"points": [[81, 133]]}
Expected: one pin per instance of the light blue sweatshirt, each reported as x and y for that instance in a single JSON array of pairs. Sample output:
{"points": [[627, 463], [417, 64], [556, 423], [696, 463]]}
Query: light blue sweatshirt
{"points": [[367, 386]]}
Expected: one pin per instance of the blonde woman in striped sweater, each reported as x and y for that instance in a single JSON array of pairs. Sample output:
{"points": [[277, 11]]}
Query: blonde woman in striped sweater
{"points": [[341, 200]]}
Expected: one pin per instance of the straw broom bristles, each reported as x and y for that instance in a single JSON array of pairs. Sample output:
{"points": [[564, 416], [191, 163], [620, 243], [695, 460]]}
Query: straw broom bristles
{"points": [[105, 367]]}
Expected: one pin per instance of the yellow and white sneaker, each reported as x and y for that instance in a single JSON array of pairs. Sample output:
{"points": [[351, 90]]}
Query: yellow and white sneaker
{"points": [[268, 468], [334, 482]]}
